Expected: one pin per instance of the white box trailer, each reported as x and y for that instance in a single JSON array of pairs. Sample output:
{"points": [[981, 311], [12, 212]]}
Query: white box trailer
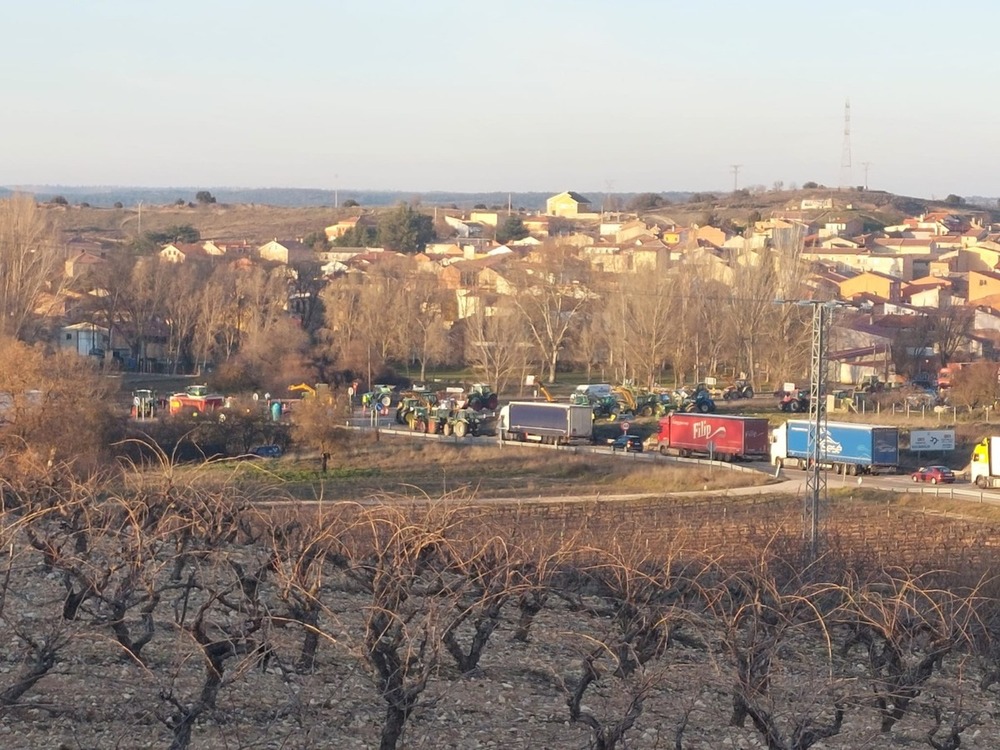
{"points": [[554, 424]]}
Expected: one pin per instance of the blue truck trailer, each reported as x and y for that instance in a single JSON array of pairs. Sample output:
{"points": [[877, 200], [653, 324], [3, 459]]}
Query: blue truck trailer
{"points": [[844, 446]]}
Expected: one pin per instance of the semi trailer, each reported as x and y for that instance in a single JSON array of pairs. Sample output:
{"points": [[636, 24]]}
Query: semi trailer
{"points": [[726, 438], [554, 424], [844, 446]]}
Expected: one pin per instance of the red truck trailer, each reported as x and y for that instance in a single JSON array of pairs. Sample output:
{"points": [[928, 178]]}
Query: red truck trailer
{"points": [[723, 437]]}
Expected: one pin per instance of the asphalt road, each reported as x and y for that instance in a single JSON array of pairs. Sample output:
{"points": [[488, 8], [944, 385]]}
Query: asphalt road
{"points": [[790, 481]]}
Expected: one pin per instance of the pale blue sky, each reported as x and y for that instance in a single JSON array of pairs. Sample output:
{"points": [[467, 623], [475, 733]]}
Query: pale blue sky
{"points": [[520, 95]]}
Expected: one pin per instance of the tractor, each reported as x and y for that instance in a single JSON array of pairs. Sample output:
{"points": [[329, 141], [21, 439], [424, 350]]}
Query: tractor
{"points": [[463, 422], [604, 407], [793, 401], [700, 400], [482, 396], [378, 396], [737, 390], [410, 401], [639, 404], [195, 401]]}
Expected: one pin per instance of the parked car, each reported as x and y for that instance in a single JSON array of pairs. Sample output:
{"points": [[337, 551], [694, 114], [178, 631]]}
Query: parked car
{"points": [[627, 443], [267, 451], [933, 474]]}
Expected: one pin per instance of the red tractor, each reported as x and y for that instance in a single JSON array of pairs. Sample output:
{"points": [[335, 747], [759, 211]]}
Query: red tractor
{"points": [[195, 401]]}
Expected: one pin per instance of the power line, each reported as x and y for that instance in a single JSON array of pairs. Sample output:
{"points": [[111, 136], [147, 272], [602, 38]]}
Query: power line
{"points": [[866, 164]]}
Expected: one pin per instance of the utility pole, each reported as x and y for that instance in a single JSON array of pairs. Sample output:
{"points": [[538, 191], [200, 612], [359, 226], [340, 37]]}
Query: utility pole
{"points": [[866, 164], [336, 191], [816, 486], [139, 232], [735, 169]]}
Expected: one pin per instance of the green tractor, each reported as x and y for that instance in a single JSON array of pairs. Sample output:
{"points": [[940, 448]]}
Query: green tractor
{"points": [[410, 401], [604, 407], [462, 422], [482, 396]]}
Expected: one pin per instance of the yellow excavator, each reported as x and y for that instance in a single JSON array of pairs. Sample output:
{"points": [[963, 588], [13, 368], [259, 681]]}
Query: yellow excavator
{"points": [[307, 390], [321, 389]]}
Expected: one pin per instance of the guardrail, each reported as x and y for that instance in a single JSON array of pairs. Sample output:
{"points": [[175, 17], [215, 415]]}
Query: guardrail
{"points": [[948, 491]]}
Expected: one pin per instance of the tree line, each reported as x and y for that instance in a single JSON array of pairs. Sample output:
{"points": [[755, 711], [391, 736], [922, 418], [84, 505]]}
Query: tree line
{"points": [[260, 325]]}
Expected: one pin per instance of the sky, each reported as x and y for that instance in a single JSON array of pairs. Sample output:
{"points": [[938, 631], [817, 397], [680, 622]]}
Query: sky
{"points": [[515, 95]]}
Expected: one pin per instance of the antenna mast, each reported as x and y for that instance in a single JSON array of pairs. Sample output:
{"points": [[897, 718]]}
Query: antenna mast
{"points": [[735, 169], [846, 176]]}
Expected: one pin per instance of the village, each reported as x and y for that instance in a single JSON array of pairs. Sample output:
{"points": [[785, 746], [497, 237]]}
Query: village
{"points": [[919, 295]]}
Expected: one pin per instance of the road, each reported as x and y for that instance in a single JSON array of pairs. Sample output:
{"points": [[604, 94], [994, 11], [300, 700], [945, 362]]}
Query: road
{"points": [[788, 481]]}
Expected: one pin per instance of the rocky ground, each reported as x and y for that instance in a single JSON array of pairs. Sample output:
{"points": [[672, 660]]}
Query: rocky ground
{"points": [[94, 698]]}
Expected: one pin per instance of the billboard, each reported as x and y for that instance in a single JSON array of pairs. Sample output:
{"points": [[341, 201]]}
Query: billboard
{"points": [[932, 440]]}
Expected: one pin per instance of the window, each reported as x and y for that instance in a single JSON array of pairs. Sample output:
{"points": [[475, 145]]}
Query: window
{"points": [[69, 336]]}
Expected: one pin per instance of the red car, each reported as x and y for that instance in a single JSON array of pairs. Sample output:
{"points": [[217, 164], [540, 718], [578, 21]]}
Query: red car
{"points": [[933, 474]]}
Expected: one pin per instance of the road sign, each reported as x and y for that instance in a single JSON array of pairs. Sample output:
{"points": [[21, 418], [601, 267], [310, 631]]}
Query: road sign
{"points": [[625, 426], [350, 391], [932, 440], [136, 400]]}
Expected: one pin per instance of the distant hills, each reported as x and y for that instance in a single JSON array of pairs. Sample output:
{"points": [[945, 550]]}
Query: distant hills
{"points": [[107, 196], [305, 197]]}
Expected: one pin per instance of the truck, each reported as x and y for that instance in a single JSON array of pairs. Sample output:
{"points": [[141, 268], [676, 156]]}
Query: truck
{"points": [[727, 438], [984, 469], [552, 424], [843, 446]]}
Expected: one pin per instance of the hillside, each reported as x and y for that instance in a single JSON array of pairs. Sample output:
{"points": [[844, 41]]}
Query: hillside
{"points": [[259, 223]]}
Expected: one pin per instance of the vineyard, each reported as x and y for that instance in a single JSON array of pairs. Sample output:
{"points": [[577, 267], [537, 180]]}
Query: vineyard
{"points": [[162, 613]]}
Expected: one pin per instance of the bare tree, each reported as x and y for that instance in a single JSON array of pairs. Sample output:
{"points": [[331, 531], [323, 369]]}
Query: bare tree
{"points": [[642, 310], [760, 618], [182, 307], [58, 406], [951, 329], [30, 262], [408, 612], [496, 342], [751, 309], [906, 627], [426, 335], [550, 299], [143, 305], [638, 601]]}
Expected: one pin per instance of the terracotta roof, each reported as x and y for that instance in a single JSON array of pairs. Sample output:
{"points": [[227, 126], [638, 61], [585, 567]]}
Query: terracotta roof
{"points": [[930, 281]]}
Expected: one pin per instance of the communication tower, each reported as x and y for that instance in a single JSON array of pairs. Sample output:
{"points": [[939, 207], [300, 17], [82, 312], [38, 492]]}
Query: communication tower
{"points": [[846, 176]]}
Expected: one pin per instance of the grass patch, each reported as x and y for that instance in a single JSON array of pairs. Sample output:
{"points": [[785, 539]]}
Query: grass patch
{"points": [[413, 468]]}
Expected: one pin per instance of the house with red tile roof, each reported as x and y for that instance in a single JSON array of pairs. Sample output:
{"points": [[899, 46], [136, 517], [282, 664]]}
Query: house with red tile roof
{"points": [[882, 285], [929, 291], [82, 263]]}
